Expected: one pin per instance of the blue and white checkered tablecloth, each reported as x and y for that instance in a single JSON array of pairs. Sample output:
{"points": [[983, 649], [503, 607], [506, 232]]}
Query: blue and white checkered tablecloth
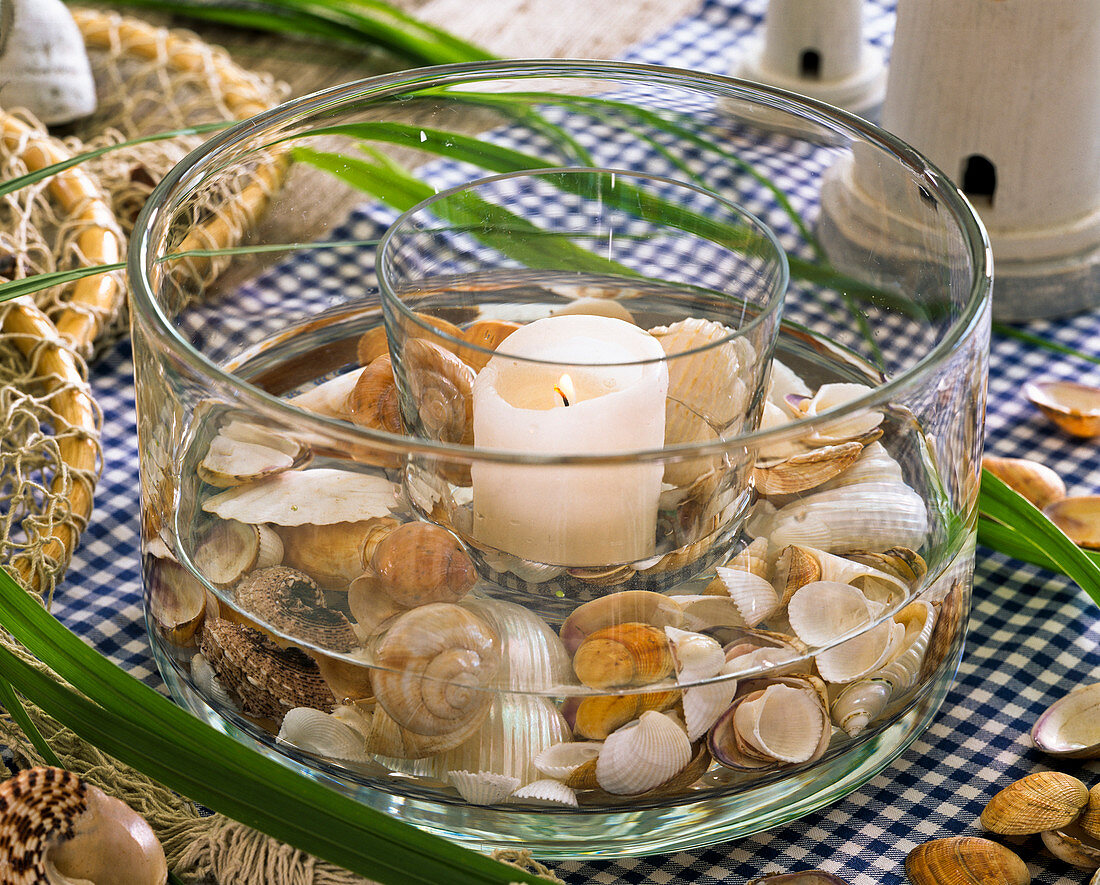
{"points": [[1033, 635]]}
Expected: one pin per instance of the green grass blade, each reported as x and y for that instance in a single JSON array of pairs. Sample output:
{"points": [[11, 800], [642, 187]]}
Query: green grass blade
{"points": [[37, 282], [1033, 535], [1032, 338], [138, 726], [9, 700]]}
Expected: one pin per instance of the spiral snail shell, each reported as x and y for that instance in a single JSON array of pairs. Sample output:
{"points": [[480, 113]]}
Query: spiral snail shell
{"points": [[435, 662]]}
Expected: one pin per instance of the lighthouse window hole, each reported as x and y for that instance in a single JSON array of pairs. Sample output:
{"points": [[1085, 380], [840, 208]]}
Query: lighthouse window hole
{"points": [[809, 64], [979, 180]]}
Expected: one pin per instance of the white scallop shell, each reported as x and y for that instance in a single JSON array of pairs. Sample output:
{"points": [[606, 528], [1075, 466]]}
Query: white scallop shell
{"points": [[829, 396], [784, 381], [861, 655], [754, 596], [43, 62], [642, 755], [322, 734], [753, 558], [703, 704], [695, 656], [875, 464], [208, 685], [871, 516], [561, 760], [703, 611], [549, 792], [822, 611], [483, 787], [784, 723]]}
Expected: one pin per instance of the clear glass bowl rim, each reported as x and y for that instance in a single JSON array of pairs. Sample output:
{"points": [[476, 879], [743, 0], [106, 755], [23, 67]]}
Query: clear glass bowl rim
{"points": [[764, 311], [190, 172]]}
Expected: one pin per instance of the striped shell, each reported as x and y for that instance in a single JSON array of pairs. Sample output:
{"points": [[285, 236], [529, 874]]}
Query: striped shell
{"points": [[1045, 800], [322, 734], [623, 654], [546, 792], [483, 787], [965, 860], [642, 755]]}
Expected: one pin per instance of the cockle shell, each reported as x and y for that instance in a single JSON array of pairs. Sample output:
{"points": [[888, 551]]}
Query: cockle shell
{"points": [[419, 562], [267, 679], [622, 655], [436, 662], [1035, 481], [1045, 800], [695, 656], [754, 596], [322, 734], [862, 700], [483, 787], [596, 716], [830, 396], [864, 516], [965, 860], [772, 722], [440, 388], [1072, 406], [231, 548], [1090, 818], [641, 606], [321, 496], [799, 565], [1070, 726], [801, 471], [642, 755], [704, 704], [547, 792], [753, 558], [43, 61], [560, 760], [755, 650]]}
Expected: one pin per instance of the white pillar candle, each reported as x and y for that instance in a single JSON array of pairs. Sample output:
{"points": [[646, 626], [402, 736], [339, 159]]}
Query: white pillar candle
{"points": [[567, 514]]}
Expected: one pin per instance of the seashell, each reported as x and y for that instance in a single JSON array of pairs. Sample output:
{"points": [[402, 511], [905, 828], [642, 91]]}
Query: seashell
{"points": [[289, 603], [483, 787], [822, 611], [862, 700], [1035, 481], [642, 755], [754, 596], [370, 605], [176, 600], [532, 656], [906, 565], [440, 388], [560, 760], [831, 396], [784, 382], [372, 344], [206, 682], [419, 562], [785, 721], [321, 496], [436, 662], [965, 860], [583, 777], [597, 716], [1074, 407], [335, 554], [57, 829], [322, 734], [348, 679], [865, 516], [243, 452], [798, 565], [757, 650], [354, 716], [1074, 846], [547, 792], [486, 335], [1045, 800], [373, 401], [704, 704], [640, 606], [861, 655], [1090, 818], [329, 398], [753, 558], [598, 305], [1079, 518], [801, 877], [801, 471], [875, 464], [389, 739], [267, 679], [705, 612], [623, 654], [695, 656], [43, 61]]}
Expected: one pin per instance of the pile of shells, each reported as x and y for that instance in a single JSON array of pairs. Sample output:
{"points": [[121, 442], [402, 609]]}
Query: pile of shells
{"points": [[329, 613]]}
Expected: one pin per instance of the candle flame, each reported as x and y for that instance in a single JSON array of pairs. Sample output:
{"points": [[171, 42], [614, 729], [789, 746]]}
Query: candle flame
{"points": [[564, 389]]}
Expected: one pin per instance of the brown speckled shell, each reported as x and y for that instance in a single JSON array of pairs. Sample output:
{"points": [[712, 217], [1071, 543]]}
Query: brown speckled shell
{"points": [[290, 602]]}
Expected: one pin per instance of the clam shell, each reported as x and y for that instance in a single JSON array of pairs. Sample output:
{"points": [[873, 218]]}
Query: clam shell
{"points": [[695, 656], [597, 716], [1045, 800], [321, 496], [965, 860], [1070, 726], [483, 787], [830, 396], [1079, 518], [822, 611], [642, 755], [622, 655], [1074, 846], [704, 704], [436, 663], [322, 734], [762, 650], [1072, 406], [782, 722], [802, 471], [640, 606], [1035, 481], [1090, 819], [754, 596], [560, 760], [230, 462], [333, 555], [329, 398], [176, 601], [863, 516], [547, 792]]}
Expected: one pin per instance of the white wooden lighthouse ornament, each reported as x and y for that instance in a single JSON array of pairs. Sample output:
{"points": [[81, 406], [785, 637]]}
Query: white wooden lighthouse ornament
{"points": [[43, 62], [1004, 97], [816, 48]]}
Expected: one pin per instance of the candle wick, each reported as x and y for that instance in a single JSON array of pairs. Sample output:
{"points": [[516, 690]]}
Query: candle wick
{"points": [[561, 393]]}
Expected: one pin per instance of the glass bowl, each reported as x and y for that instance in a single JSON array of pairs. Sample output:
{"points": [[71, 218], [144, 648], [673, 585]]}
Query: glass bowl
{"points": [[312, 585]]}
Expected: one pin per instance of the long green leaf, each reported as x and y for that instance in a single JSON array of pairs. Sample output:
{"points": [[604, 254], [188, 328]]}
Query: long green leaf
{"points": [[1045, 343], [1026, 533], [9, 700], [141, 728]]}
